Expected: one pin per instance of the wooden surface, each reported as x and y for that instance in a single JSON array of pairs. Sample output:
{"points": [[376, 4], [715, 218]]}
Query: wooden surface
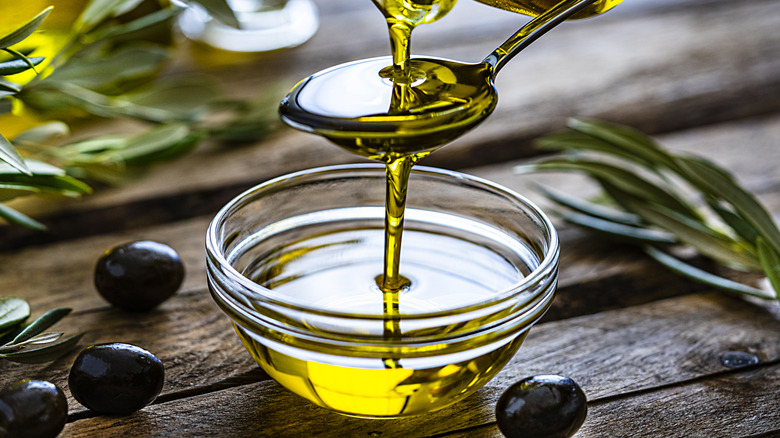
{"points": [[646, 346]]}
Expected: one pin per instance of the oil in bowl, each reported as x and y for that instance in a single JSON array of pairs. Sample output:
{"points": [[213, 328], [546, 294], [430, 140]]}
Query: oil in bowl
{"points": [[294, 263]]}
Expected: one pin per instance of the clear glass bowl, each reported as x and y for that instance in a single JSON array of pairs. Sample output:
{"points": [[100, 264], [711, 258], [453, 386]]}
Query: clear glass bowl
{"points": [[293, 263]]}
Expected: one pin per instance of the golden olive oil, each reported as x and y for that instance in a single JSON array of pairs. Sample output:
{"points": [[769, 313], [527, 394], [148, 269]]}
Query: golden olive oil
{"points": [[396, 110], [537, 7], [333, 268], [379, 391]]}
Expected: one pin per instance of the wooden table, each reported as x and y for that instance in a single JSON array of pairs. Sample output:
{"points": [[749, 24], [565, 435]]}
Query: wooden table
{"points": [[646, 346]]}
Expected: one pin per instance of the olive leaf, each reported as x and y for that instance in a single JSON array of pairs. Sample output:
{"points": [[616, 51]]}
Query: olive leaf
{"points": [[44, 354], [13, 311], [621, 178], [9, 154], [109, 68], [721, 220], [97, 11], [710, 178], [117, 31], [109, 72], [19, 65], [14, 217], [25, 30], [591, 209], [44, 178], [617, 230], [770, 261], [17, 338], [36, 327], [700, 275], [41, 134]]}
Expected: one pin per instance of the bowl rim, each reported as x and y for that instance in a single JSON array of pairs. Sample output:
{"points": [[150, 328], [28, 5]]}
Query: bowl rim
{"points": [[544, 271]]}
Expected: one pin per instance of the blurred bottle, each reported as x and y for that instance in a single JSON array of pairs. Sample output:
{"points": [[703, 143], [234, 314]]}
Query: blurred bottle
{"points": [[264, 25]]}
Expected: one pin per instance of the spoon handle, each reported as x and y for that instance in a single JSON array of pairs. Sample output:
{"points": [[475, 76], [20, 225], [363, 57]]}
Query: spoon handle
{"points": [[532, 31]]}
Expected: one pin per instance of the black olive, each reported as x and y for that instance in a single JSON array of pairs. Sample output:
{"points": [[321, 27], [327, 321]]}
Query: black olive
{"points": [[541, 406], [32, 409], [138, 276], [116, 378]]}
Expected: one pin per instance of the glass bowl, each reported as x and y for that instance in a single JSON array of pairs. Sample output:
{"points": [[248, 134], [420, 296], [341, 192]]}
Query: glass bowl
{"points": [[293, 262]]}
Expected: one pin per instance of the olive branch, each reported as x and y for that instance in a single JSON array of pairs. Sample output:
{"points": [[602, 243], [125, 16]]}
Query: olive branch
{"points": [[663, 201], [27, 342], [110, 67]]}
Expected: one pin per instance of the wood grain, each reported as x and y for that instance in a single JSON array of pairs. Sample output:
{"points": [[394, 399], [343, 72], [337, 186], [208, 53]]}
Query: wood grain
{"points": [[658, 67], [669, 344], [734, 405], [645, 345], [189, 331]]}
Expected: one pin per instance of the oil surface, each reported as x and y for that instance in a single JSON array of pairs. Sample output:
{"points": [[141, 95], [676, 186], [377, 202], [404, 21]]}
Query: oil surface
{"points": [[396, 110], [451, 262]]}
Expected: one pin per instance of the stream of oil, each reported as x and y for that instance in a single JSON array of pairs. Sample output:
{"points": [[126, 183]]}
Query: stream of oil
{"points": [[396, 110]]}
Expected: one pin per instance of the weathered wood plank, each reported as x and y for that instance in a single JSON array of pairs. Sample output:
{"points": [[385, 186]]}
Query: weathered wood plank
{"points": [[748, 148], [192, 338], [595, 274], [676, 341], [657, 67], [734, 405], [189, 331]]}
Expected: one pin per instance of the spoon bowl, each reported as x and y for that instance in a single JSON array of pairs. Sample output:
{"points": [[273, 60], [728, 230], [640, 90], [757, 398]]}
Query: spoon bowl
{"points": [[359, 106]]}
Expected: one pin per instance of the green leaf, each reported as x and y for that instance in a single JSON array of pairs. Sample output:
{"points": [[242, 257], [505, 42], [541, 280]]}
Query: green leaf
{"points": [[98, 10], [713, 180], [44, 338], [9, 155], [47, 180], [95, 150], [741, 227], [25, 30], [144, 147], [9, 87], [705, 240], [121, 29], [106, 172], [42, 133], [108, 72], [18, 65], [770, 262], [35, 166], [220, 10], [619, 177], [14, 217], [626, 140], [702, 276], [44, 354], [589, 208], [13, 311], [181, 97], [618, 231], [45, 321]]}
